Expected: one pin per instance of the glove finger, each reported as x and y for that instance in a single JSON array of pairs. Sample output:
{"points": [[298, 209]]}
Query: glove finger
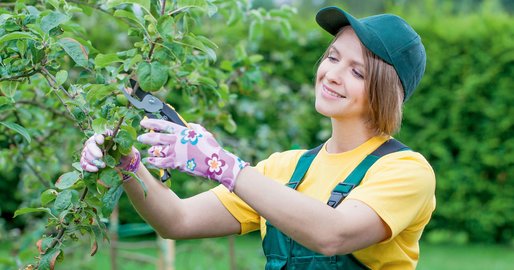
{"points": [[161, 125], [163, 163], [156, 138], [99, 139], [93, 150], [87, 166], [156, 151]]}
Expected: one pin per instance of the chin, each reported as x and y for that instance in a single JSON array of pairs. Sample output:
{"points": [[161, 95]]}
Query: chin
{"points": [[322, 109]]}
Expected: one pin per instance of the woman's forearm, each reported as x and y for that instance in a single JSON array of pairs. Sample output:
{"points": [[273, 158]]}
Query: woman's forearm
{"points": [[161, 207], [310, 222]]}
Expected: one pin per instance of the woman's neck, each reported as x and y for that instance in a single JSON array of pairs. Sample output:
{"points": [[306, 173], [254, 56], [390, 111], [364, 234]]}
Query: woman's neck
{"points": [[347, 136]]}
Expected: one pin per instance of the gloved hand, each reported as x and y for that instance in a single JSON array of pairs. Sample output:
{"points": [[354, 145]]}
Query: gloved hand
{"points": [[91, 157], [192, 150]]}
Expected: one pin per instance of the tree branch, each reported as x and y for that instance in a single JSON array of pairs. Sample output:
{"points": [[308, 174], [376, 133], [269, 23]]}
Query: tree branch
{"points": [[18, 77], [51, 80]]}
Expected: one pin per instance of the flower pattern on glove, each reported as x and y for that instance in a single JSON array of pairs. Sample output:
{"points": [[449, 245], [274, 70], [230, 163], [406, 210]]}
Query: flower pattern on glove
{"points": [[190, 136], [191, 164], [215, 165]]}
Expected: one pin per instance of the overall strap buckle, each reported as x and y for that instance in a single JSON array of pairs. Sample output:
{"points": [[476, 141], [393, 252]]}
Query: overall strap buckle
{"points": [[341, 191]]}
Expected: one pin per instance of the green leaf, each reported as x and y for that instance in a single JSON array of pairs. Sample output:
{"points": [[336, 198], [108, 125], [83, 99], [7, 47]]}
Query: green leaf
{"points": [[229, 124], [99, 125], [5, 103], [67, 180], [61, 77], [129, 15], [198, 43], [207, 81], [16, 35], [54, 3], [53, 20], [151, 76], [256, 30], [103, 60], [97, 92], [49, 259], [48, 196], [22, 46], [110, 161], [63, 200], [110, 199], [75, 50], [127, 65], [110, 177], [143, 3], [21, 130], [76, 166], [165, 27], [26, 210], [125, 140]]}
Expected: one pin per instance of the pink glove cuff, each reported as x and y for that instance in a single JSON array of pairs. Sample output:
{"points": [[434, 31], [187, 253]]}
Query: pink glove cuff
{"points": [[130, 163]]}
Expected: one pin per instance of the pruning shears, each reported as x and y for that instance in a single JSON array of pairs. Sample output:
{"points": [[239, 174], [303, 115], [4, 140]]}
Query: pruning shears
{"points": [[154, 108]]}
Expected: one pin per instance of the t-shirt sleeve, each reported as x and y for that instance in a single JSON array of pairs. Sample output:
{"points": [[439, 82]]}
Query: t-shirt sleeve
{"points": [[247, 217], [400, 188]]}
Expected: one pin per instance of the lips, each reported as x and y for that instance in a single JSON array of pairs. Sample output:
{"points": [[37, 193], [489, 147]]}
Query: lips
{"points": [[331, 92]]}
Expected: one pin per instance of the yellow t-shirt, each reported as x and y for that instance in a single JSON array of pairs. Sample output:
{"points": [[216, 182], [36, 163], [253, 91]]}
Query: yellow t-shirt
{"points": [[399, 187]]}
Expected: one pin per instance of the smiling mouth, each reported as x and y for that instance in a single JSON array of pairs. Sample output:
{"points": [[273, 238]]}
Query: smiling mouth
{"points": [[331, 93]]}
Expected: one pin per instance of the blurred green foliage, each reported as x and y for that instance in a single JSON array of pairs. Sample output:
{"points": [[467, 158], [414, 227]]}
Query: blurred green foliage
{"points": [[462, 120]]}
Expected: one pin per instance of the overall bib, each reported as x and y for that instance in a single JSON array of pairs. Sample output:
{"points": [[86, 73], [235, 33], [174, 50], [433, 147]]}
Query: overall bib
{"points": [[282, 252]]}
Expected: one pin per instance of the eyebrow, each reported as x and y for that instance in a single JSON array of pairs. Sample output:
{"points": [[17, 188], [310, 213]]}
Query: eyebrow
{"points": [[351, 61]]}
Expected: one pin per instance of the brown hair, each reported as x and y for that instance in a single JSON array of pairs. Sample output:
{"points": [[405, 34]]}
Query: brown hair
{"points": [[384, 90]]}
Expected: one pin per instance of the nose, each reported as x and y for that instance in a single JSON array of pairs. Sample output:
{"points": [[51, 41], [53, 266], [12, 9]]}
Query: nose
{"points": [[334, 74]]}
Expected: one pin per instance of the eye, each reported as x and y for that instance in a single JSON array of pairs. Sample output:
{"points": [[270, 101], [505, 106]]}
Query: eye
{"points": [[332, 58], [357, 73]]}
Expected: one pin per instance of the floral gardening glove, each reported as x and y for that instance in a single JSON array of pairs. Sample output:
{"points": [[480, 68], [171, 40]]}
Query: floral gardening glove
{"points": [[91, 157], [192, 150]]}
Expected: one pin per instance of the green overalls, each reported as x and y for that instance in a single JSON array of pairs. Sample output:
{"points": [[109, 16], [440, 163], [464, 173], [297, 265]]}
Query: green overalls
{"points": [[282, 252]]}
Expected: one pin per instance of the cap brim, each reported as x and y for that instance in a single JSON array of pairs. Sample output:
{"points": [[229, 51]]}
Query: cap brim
{"points": [[332, 19]]}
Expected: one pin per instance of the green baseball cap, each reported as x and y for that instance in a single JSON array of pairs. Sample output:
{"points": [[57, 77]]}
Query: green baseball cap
{"points": [[386, 35]]}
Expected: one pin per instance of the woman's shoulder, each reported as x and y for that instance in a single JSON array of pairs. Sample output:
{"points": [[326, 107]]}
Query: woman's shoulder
{"points": [[407, 163], [281, 161], [289, 156]]}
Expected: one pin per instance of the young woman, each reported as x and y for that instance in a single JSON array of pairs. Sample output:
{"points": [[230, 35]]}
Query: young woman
{"points": [[359, 201]]}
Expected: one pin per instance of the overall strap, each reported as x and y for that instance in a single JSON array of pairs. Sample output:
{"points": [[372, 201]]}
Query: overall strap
{"points": [[343, 189], [301, 168]]}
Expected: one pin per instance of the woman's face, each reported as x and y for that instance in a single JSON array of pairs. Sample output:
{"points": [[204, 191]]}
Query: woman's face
{"points": [[340, 80]]}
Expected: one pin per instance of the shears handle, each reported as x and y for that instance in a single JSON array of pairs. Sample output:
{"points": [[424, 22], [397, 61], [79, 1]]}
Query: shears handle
{"points": [[165, 112], [169, 113]]}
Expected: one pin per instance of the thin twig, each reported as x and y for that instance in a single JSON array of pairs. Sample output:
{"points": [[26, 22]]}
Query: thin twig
{"points": [[17, 77], [152, 47], [52, 85], [7, 4], [54, 81], [163, 7]]}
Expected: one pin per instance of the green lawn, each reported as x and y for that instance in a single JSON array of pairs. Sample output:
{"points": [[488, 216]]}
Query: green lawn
{"points": [[213, 254]]}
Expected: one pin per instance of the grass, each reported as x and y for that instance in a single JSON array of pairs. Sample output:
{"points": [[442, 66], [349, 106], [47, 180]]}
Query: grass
{"points": [[214, 254]]}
